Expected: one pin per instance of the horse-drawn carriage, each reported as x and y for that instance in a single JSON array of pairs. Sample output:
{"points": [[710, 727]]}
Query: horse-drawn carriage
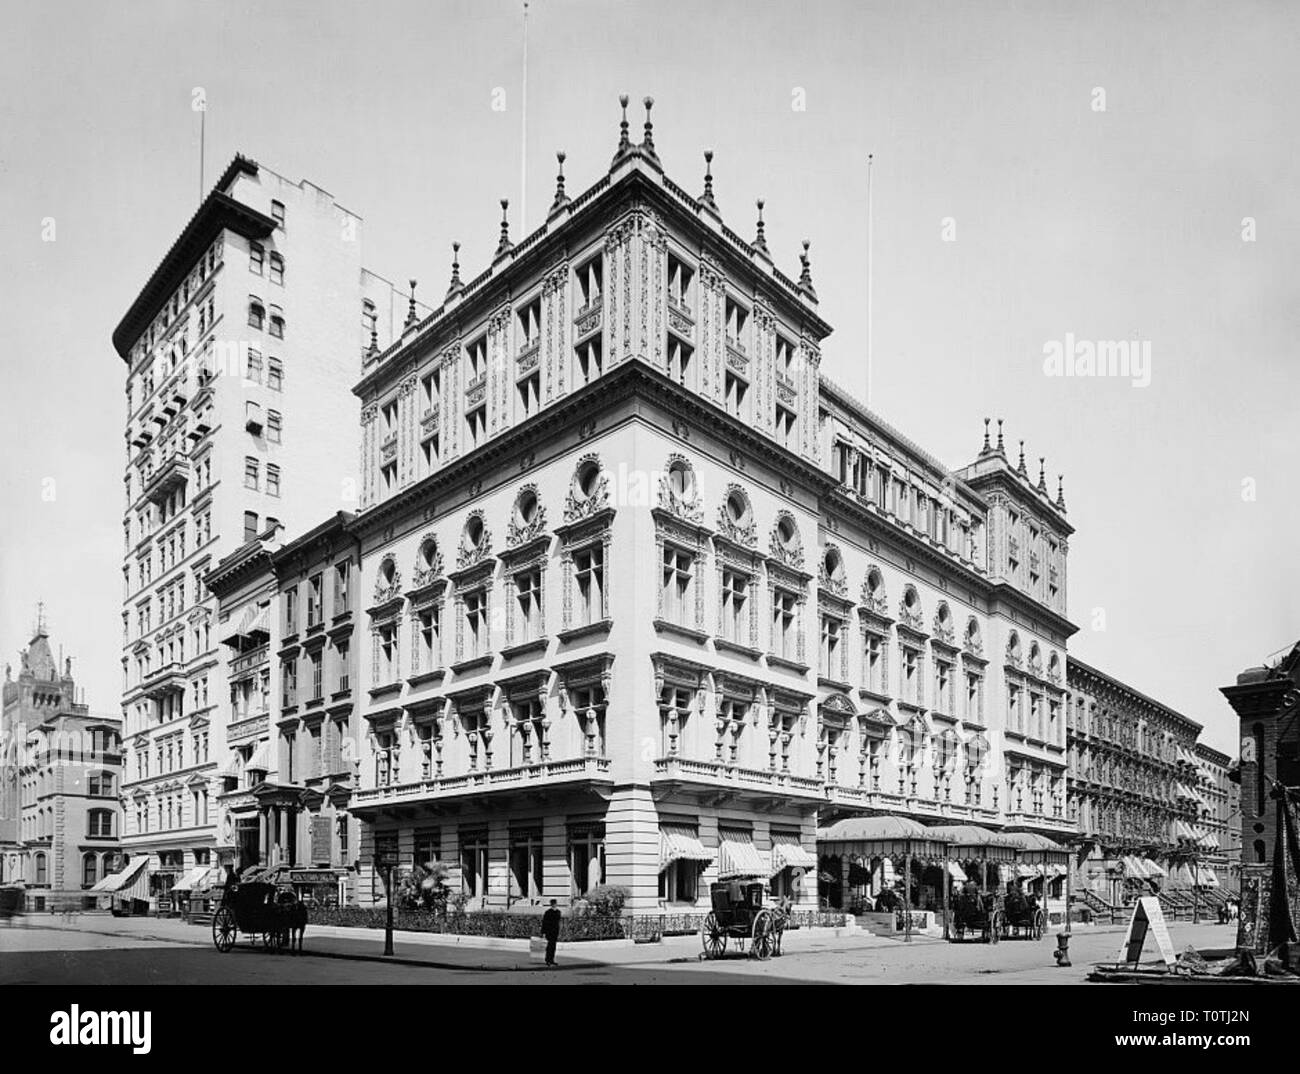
{"points": [[259, 910], [740, 914], [981, 913], [997, 917]]}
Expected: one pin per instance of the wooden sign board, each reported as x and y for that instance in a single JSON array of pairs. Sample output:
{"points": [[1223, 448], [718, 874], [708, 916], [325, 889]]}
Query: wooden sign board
{"points": [[1147, 916]]}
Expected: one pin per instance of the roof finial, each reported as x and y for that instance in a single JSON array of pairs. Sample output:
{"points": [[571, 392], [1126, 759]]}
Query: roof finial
{"points": [[760, 240], [1042, 473], [623, 143], [410, 309], [456, 287], [648, 141], [1021, 468], [1060, 492], [561, 198], [706, 199], [503, 247], [986, 436], [805, 275], [1001, 447]]}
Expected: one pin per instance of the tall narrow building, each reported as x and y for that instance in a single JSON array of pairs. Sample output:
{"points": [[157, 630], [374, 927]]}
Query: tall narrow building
{"points": [[239, 350]]}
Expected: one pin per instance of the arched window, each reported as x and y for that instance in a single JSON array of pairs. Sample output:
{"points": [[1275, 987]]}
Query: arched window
{"points": [[1013, 648], [973, 635], [41, 874], [88, 870], [256, 312]]}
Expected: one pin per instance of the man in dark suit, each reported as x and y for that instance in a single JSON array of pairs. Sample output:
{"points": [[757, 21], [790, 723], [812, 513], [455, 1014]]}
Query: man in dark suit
{"points": [[551, 930]]}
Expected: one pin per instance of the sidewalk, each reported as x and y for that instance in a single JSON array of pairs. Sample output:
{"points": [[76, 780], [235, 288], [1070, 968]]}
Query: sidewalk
{"points": [[444, 951]]}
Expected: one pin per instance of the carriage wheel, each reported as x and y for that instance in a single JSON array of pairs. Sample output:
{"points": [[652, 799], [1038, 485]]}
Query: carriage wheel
{"points": [[224, 930], [997, 926], [1040, 925], [762, 949], [715, 940]]}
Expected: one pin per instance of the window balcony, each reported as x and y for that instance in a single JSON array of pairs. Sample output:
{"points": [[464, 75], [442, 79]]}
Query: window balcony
{"points": [[167, 679], [172, 473], [576, 773]]}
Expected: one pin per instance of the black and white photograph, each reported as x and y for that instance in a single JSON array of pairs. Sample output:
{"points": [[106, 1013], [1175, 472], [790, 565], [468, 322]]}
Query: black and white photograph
{"points": [[532, 493]]}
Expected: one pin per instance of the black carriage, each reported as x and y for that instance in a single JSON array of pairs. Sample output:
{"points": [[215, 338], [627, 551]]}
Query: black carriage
{"points": [[1023, 919], [741, 914], [258, 911], [978, 913]]}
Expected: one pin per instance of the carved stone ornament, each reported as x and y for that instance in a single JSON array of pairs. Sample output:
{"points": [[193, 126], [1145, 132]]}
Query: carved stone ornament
{"points": [[686, 505], [520, 530], [579, 505], [470, 555], [744, 531]]}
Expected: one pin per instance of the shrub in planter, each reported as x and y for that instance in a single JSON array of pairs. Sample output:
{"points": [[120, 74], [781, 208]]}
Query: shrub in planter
{"points": [[606, 900]]}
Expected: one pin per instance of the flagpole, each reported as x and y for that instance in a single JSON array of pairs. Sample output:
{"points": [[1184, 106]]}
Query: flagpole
{"points": [[870, 236], [523, 137]]}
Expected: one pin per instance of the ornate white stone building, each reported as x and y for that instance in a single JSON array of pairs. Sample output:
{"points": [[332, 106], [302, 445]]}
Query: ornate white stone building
{"points": [[650, 597]]}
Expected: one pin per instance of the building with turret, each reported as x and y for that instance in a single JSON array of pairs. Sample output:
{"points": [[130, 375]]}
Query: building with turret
{"points": [[60, 820]]}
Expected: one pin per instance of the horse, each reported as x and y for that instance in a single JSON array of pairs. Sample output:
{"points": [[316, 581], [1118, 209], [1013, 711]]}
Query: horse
{"points": [[293, 912]]}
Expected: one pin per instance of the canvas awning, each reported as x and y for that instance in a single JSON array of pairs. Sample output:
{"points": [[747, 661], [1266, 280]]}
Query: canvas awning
{"points": [[737, 856], [1208, 877], [261, 759], [191, 879], [131, 883], [255, 620], [1154, 870], [1208, 842], [957, 872], [1023, 871], [1182, 790], [1133, 867], [680, 842], [787, 851]]}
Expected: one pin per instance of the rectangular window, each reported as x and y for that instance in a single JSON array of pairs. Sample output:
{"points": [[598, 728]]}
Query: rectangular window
{"points": [[345, 679], [272, 479], [784, 640], [737, 319], [255, 258], [342, 578], [254, 365], [530, 324], [679, 359], [274, 374], [427, 627], [291, 611], [388, 653], [735, 615], [529, 394], [590, 284], [317, 683], [681, 279], [476, 421], [431, 388], [676, 589], [277, 213], [476, 624], [315, 600], [785, 426], [590, 359], [911, 684], [589, 574], [250, 472], [250, 525], [476, 353], [943, 687], [276, 327], [474, 864], [528, 594], [277, 268], [289, 683], [273, 426], [830, 647]]}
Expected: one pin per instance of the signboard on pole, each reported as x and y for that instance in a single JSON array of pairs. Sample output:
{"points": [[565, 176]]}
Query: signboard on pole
{"points": [[1147, 916]]}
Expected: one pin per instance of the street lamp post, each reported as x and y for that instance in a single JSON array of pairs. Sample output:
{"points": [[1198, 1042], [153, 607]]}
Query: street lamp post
{"points": [[1196, 890]]}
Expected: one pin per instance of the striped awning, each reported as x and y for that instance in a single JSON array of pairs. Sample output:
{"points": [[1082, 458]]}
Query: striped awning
{"points": [[680, 842], [1182, 790], [737, 856], [192, 879], [131, 883], [1207, 877], [1133, 867], [1154, 870], [788, 851], [957, 872], [1208, 842]]}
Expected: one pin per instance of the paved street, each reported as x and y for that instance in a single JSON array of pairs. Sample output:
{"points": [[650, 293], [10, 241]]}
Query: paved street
{"points": [[95, 949]]}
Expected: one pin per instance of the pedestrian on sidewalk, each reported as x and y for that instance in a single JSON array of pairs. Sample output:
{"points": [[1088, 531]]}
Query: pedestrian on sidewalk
{"points": [[551, 930]]}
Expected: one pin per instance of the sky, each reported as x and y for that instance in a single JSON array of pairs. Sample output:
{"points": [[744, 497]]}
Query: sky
{"points": [[1042, 173]]}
